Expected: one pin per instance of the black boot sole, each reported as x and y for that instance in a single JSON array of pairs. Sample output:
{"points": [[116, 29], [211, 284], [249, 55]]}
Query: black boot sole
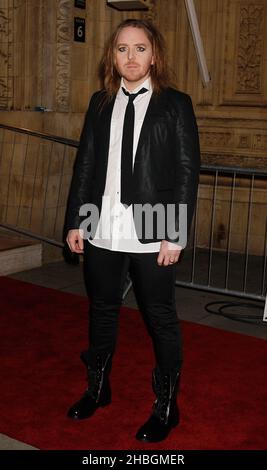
{"points": [[159, 439], [81, 418]]}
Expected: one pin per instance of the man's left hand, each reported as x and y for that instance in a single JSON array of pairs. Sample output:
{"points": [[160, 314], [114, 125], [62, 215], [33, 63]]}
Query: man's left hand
{"points": [[169, 253]]}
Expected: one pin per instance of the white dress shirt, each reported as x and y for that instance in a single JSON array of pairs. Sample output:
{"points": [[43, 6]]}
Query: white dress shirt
{"points": [[116, 229]]}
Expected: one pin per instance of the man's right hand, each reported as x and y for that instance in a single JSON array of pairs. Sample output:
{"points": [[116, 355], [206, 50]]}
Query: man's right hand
{"points": [[75, 241]]}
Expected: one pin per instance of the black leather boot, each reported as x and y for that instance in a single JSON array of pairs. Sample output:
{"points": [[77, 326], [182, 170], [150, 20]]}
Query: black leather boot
{"points": [[165, 412], [99, 391]]}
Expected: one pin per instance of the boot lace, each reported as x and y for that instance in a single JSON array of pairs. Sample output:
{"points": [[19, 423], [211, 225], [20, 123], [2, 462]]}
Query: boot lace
{"points": [[164, 388], [96, 377], [161, 405]]}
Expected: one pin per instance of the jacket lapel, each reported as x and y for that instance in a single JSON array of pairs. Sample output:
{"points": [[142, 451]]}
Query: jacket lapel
{"points": [[105, 122], [153, 110]]}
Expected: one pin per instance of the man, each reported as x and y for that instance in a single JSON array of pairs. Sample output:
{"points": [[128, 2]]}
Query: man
{"points": [[139, 148]]}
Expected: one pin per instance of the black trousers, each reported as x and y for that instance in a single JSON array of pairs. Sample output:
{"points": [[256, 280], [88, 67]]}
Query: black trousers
{"points": [[154, 286]]}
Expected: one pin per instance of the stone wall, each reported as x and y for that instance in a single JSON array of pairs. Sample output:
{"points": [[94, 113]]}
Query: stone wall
{"points": [[42, 66]]}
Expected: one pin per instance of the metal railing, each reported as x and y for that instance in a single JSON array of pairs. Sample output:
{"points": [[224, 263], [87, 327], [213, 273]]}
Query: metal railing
{"points": [[228, 246], [35, 172], [231, 257]]}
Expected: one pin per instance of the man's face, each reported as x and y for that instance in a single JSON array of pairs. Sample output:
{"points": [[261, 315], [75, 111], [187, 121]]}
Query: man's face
{"points": [[133, 56]]}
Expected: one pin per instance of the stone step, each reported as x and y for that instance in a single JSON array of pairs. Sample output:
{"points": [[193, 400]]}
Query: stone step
{"points": [[18, 253]]}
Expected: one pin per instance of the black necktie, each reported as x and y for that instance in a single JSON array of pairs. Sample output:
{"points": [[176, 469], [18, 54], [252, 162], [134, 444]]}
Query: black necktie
{"points": [[127, 149]]}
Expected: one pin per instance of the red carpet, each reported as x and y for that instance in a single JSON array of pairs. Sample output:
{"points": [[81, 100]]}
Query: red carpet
{"points": [[223, 391]]}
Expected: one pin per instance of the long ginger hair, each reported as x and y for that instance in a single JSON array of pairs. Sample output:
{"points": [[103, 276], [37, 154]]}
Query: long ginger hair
{"points": [[159, 72]]}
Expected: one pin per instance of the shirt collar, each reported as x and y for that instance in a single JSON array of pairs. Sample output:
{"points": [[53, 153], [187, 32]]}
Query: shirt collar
{"points": [[146, 84]]}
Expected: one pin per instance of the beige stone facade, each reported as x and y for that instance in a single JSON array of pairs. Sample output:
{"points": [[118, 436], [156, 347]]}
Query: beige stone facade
{"points": [[41, 65]]}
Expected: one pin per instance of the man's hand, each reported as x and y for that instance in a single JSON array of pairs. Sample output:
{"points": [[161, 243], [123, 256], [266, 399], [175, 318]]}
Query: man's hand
{"points": [[169, 253], [75, 241]]}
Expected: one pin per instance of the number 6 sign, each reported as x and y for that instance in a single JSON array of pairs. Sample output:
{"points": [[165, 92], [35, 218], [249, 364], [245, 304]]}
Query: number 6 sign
{"points": [[79, 29]]}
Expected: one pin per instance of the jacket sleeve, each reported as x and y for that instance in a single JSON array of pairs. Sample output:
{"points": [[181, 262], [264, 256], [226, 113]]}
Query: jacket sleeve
{"points": [[80, 188], [187, 161]]}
